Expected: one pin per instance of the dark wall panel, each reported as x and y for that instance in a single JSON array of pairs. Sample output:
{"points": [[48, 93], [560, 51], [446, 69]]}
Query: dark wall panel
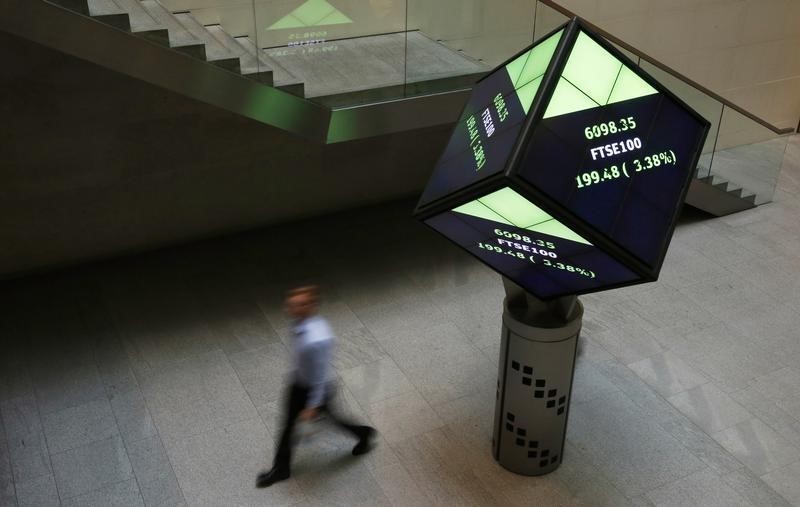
{"points": [[96, 164]]}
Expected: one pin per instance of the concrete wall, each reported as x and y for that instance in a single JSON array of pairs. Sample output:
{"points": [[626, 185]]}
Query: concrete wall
{"points": [[96, 164]]}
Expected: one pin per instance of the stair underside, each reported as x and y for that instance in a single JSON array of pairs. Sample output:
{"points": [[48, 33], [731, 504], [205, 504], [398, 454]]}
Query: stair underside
{"points": [[718, 197]]}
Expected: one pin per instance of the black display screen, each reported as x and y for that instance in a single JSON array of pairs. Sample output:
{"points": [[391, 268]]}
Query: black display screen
{"points": [[523, 243], [621, 168], [604, 148]]}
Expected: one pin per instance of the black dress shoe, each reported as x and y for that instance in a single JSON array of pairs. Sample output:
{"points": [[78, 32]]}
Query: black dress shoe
{"points": [[267, 479], [366, 443]]}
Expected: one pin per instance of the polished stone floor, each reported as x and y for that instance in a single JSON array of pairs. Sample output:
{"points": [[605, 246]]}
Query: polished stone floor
{"points": [[157, 379]]}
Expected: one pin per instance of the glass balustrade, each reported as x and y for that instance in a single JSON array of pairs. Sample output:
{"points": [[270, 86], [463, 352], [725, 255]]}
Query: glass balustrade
{"points": [[343, 53]]}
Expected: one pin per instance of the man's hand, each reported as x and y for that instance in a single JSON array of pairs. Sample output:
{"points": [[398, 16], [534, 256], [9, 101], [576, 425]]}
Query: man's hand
{"points": [[308, 414]]}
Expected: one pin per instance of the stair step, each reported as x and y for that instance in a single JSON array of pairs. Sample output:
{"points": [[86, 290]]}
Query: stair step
{"points": [[103, 8], [74, 5], [215, 49], [280, 76], [711, 194], [736, 192], [722, 185], [179, 36], [121, 21], [140, 19], [249, 63], [248, 66]]}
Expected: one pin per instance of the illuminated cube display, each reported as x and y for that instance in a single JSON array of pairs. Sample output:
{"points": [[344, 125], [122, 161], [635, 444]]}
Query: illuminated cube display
{"points": [[567, 169]]}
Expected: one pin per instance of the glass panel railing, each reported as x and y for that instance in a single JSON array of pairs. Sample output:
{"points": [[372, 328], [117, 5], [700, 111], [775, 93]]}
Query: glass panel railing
{"points": [[336, 47], [748, 155], [546, 20], [228, 31], [347, 52], [450, 43], [485, 31]]}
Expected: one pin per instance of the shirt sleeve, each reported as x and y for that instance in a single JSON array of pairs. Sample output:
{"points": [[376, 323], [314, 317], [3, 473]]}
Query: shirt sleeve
{"points": [[318, 361]]}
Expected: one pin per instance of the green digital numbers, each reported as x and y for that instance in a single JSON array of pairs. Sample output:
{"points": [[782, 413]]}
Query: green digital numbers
{"points": [[609, 127], [495, 248], [475, 143], [616, 172], [566, 267], [611, 173], [500, 105], [525, 239], [653, 161]]}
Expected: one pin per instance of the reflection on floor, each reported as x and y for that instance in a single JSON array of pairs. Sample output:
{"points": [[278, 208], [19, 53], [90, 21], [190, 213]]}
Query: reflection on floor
{"points": [[364, 63], [157, 379]]}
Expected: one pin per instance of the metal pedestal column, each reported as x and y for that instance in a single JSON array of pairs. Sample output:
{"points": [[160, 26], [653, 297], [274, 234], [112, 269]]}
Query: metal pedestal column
{"points": [[537, 362]]}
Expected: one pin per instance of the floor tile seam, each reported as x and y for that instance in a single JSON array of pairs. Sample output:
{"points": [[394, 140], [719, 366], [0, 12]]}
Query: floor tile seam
{"points": [[727, 395], [173, 443], [377, 342], [681, 477], [80, 446], [702, 431], [768, 485], [414, 391], [781, 495], [438, 405], [172, 366], [750, 419], [368, 363], [778, 433], [680, 413], [125, 444], [47, 447], [683, 390], [10, 466], [719, 476], [249, 397], [104, 486], [150, 413], [103, 396], [787, 465], [215, 425], [366, 411], [746, 471]]}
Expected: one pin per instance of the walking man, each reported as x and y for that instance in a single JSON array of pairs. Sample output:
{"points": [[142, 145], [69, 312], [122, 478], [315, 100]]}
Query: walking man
{"points": [[310, 393]]}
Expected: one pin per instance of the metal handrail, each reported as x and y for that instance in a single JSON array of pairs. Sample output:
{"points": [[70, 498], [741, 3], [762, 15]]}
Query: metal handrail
{"points": [[649, 59]]}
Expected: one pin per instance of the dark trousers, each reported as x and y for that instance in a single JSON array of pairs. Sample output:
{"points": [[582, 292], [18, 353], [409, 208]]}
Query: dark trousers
{"points": [[295, 403]]}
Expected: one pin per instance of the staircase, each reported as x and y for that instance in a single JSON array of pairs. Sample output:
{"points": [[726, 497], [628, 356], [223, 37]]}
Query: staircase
{"points": [[182, 32], [269, 93], [718, 196]]}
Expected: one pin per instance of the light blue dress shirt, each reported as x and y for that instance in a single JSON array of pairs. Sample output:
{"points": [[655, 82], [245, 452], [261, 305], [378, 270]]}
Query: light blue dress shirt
{"points": [[312, 348]]}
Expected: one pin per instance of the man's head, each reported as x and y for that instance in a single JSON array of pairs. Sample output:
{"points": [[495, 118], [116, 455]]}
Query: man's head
{"points": [[302, 302]]}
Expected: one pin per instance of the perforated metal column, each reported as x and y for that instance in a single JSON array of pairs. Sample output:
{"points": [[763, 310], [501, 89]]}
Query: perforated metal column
{"points": [[533, 391]]}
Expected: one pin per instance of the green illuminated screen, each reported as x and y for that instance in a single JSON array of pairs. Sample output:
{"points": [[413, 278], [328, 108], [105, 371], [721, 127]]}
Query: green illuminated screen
{"points": [[492, 121], [613, 151], [523, 242], [311, 13], [610, 153], [507, 207]]}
